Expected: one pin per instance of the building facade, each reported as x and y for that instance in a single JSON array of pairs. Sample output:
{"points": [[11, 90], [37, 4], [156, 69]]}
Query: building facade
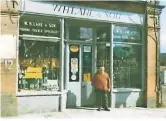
{"points": [[54, 48]]}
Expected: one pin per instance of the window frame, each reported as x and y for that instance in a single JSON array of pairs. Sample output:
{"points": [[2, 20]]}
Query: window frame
{"points": [[39, 38], [129, 43]]}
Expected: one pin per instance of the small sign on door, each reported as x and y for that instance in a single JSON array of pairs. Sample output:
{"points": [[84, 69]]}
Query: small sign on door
{"points": [[87, 77], [87, 48]]}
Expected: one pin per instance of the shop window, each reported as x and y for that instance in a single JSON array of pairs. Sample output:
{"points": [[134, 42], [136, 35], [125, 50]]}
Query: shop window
{"points": [[127, 66], [103, 45], [103, 56], [80, 33], [79, 30], [39, 65], [127, 57], [127, 34], [103, 34], [39, 48]]}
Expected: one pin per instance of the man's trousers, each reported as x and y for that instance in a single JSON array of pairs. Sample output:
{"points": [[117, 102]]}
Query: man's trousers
{"points": [[101, 98]]}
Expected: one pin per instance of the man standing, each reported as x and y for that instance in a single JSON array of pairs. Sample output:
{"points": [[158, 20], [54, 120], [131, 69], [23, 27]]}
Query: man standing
{"points": [[101, 81]]}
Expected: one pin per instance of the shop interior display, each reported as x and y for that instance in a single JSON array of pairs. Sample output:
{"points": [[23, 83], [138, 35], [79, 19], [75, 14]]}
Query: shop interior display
{"points": [[38, 66], [127, 58]]}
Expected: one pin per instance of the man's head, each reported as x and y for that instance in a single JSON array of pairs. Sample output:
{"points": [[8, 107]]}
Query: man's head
{"points": [[101, 69]]}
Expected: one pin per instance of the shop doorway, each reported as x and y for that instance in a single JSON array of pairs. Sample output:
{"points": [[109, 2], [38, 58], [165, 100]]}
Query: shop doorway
{"points": [[80, 70]]}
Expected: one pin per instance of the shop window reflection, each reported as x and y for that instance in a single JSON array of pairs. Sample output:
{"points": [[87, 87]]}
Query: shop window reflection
{"points": [[80, 33], [127, 66], [38, 65], [87, 63], [103, 56], [103, 34]]}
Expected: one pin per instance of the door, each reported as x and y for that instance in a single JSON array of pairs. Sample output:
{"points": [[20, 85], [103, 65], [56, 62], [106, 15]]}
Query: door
{"points": [[87, 90], [80, 91]]}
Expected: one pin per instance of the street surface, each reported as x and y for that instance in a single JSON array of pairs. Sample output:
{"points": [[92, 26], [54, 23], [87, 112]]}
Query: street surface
{"points": [[114, 113]]}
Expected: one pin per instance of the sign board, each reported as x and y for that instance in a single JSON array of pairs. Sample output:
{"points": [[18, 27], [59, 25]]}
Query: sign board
{"points": [[65, 10], [125, 33], [39, 26]]}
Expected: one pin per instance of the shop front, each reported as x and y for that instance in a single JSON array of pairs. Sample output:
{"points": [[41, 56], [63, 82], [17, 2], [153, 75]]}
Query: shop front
{"points": [[62, 45]]}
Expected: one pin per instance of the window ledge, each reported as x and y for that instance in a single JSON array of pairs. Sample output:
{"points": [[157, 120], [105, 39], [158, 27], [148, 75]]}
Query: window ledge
{"points": [[39, 93], [127, 90]]}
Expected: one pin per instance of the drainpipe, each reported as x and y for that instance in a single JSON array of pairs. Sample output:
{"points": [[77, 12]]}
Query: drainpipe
{"points": [[157, 56], [146, 52]]}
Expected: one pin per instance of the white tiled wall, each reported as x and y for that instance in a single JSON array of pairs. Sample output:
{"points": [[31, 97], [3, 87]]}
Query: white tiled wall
{"points": [[31, 104]]}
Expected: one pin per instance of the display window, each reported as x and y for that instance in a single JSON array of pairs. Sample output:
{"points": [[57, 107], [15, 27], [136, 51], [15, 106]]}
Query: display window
{"points": [[39, 53], [127, 57], [79, 30]]}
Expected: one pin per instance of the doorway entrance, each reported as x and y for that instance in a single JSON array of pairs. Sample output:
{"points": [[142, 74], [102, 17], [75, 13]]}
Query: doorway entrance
{"points": [[80, 70]]}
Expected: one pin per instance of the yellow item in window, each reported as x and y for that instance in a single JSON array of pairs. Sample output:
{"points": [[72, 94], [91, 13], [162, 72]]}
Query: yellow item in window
{"points": [[34, 70], [87, 77], [33, 75]]}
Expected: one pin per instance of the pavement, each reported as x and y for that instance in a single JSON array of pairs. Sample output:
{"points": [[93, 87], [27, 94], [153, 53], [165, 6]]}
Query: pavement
{"points": [[90, 113]]}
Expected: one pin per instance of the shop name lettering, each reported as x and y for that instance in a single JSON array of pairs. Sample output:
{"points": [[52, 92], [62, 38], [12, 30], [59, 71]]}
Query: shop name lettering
{"points": [[85, 12], [41, 25]]}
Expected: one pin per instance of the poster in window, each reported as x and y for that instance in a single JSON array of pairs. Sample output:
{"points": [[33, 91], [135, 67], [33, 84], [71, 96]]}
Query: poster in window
{"points": [[87, 77], [74, 63], [85, 33], [87, 48]]}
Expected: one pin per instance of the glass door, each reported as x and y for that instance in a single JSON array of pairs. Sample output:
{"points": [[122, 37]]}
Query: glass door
{"points": [[80, 73], [87, 91], [74, 78]]}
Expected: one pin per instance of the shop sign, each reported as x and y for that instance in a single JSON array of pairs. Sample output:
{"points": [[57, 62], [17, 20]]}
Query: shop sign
{"points": [[81, 12], [74, 48], [132, 33], [39, 26], [87, 48]]}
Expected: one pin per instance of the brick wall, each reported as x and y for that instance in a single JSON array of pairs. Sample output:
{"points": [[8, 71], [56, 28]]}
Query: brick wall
{"points": [[151, 62], [8, 89]]}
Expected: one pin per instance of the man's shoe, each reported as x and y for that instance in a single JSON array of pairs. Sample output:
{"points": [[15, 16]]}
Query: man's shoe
{"points": [[107, 109], [99, 109]]}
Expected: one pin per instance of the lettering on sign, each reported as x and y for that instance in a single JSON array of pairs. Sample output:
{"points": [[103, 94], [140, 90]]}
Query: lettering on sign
{"points": [[8, 64], [39, 26], [66, 10], [85, 12], [127, 33]]}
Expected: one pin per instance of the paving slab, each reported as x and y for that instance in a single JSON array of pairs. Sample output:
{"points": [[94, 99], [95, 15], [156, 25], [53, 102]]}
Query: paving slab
{"points": [[90, 113]]}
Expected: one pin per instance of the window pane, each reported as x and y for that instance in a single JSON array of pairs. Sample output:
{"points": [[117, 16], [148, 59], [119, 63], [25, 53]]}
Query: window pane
{"points": [[127, 34], [87, 63], [127, 66], [103, 34], [38, 65], [80, 33], [103, 56]]}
